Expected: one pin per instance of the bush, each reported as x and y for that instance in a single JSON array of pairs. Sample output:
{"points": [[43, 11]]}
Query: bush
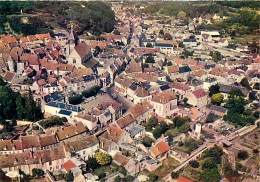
{"points": [[103, 158], [209, 163], [53, 121], [242, 155], [194, 164], [159, 130], [152, 122], [217, 98], [75, 100], [92, 163], [37, 172], [147, 141], [153, 177], [102, 175], [174, 175], [91, 92], [150, 59]]}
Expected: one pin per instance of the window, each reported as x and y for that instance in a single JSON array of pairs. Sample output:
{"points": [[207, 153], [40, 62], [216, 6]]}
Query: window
{"points": [[74, 61]]}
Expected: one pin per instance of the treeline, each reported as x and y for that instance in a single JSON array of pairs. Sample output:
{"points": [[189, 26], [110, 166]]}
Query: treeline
{"points": [[192, 9], [241, 4], [25, 18], [15, 106], [195, 9]]}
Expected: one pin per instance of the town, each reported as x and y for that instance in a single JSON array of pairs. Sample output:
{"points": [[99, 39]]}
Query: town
{"points": [[156, 98]]}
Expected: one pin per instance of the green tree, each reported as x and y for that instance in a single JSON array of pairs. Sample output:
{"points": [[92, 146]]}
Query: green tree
{"points": [[76, 99], [69, 177], [214, 89], [245, 83], [159, 130], [117, 179], [152, 122], [174, 175], [2, 82], [153, 177], [147, 141], [194, 164], [217, 98], [150, 59], [149, 44], [181, 14], [92, 163], [37, 172], [209, 163], [235, 103], [216, 56], [33, 111], [103, 158], [167, 36], [210, 175], [242, 155], [215, 153], [20, 107]]}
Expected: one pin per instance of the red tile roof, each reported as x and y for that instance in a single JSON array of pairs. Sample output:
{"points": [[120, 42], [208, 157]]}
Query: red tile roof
{"points": [[82, 49], [159, 148], [183, 179], [199, 93], [163, 97], [69, 165], [125, 121]]}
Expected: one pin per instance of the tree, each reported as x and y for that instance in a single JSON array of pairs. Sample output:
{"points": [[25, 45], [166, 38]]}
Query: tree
{"points": [[76, 99], [252, 95], [242, 155], [117, 179], [161, 32], [174, 175], [92, 163], [153, 177], [147, 141], [194, 164], [150, 59], [214, 89], [181, 14], [152, 122], [91, 92], [102, 175], [69, 177], [215, 153], [210, 175], [245, 83], [186, 53], [235, 103], [149, 44], [179, 121], [216, 56], [159, 130], [167, 36], [37, 172], [2, 82], [116, 32], [209, 163], [256, 86], [103, 158], [217, 98]]}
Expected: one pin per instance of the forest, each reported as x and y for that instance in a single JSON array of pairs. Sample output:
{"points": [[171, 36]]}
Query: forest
{"points": [[26, 18]]}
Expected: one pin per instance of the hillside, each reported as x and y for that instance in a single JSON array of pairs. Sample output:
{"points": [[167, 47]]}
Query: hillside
{"points": [[40, 17]]}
